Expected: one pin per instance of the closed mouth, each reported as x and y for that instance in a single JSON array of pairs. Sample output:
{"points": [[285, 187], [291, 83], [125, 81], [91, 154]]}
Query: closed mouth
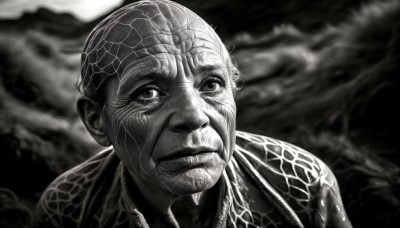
{"points": [[187, 152]]}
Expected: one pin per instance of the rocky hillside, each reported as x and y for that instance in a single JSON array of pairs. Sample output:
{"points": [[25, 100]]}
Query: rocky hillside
{"points": [[323, 75], [334, 94], [40, 134]]}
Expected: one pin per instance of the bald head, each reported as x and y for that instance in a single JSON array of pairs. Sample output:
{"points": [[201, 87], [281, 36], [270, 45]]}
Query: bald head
{"points": [[171, 88], [138, 31]]}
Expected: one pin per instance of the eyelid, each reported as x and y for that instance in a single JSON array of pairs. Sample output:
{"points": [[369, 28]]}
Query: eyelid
{"points": [[214, 77], [139, 90]]}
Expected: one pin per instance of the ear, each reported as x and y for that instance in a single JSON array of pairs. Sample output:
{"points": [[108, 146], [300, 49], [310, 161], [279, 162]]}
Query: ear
{"points": [[93, 119]]}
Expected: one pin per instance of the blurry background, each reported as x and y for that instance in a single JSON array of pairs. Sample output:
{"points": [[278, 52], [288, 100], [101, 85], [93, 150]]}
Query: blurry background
{"points": [[324, 75]]}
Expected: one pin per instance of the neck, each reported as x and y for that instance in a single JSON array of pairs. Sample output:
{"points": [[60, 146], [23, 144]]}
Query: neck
{"points": [[164, 209]]}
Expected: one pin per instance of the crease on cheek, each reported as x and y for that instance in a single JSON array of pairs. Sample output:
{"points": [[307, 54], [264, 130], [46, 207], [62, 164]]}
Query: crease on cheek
{"points": [[155, 123], [223, 118], [227, 105], [140, 125], [127, 122]]}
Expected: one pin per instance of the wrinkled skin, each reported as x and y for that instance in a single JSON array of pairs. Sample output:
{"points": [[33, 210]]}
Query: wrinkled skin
{"points": [[178, 95], [170, 114], [175, 105]]}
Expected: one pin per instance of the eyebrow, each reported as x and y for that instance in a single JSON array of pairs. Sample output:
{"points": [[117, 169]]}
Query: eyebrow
{"points": [[208, 68]]}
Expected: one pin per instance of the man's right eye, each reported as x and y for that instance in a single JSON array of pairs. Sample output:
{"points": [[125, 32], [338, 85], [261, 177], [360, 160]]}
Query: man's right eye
{"points": [[148, 94]]}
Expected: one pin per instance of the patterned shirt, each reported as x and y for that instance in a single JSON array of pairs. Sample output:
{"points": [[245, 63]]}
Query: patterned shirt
{"points": [[267, 183]]}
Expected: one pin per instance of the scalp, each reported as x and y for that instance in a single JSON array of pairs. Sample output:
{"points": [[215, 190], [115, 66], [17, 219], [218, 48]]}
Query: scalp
{"points": [[130, 31]]}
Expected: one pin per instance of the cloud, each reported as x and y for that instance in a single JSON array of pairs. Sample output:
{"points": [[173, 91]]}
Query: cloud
{"points": [[85, 10]]}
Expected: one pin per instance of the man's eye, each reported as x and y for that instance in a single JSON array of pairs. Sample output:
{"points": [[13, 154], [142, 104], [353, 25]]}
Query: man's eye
{"points": [[211, 86], [148, 94]]}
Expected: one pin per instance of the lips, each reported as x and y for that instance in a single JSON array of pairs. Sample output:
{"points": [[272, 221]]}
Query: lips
{"points": [[187, 152], [188, 158]]}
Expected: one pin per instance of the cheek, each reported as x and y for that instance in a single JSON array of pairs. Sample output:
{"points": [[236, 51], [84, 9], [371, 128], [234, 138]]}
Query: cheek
{"points": [[222, 114], [130, 133]]}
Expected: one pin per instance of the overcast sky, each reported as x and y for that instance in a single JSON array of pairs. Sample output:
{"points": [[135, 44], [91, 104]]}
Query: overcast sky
{"points": [[85, 10]]}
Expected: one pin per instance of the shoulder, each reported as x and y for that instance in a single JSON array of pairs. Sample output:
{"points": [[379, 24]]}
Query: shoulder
{"points": [[62, 202], [303, 180], [281, 157], [296, 173]]}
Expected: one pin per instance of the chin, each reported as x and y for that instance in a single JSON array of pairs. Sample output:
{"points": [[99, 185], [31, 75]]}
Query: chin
{"points": [[193, 181]]}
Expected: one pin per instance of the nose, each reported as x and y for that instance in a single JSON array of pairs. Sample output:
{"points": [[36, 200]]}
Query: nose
{"points": [[189, 114]]}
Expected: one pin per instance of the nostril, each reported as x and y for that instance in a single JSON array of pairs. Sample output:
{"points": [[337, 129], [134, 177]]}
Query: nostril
{"points": [[181, 128]]}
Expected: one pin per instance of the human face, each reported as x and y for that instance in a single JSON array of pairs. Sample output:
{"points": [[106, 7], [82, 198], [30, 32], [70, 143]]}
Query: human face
{"points": [[171, 116]]}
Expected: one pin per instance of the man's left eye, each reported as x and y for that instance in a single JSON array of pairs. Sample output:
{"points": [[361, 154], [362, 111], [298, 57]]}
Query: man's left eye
{"points": [[211, 86]]}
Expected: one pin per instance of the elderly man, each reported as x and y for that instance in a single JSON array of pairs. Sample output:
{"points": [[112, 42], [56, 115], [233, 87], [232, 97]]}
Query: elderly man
{"points": [[159, 86]]}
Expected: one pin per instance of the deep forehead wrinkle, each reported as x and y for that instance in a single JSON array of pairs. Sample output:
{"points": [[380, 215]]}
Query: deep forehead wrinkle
{"points": [[175, 44]]}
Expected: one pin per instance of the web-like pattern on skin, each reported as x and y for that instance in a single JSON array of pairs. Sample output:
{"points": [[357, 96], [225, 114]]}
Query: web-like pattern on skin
{"points": [[138, 40], [124, 35], [94, 194]]}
